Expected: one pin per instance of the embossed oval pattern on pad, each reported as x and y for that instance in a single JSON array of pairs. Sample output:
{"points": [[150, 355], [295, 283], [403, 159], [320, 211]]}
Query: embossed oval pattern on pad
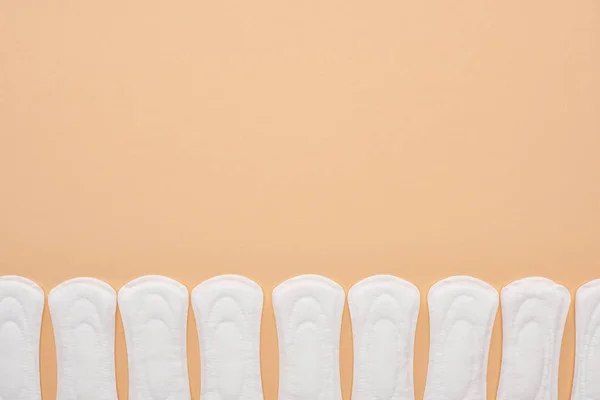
{"points": [[462, 311], [13, 346], [154, 312], [308, 314], [384, 312], [457, 359], [21, 306], [83, 317], [591, 361], [534, 311], [586, 385], [230, 368], [306, 350], [384, 360], [156, 341], [530, 361], [228, 311]]}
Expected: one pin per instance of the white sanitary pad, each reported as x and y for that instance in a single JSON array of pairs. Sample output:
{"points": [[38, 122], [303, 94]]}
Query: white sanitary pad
{"points": [[534, 311], [462, 311], [21, 307], [154, 312], [308, 313], [384, 312], [228, 312], [83, 317], [586, 385]]}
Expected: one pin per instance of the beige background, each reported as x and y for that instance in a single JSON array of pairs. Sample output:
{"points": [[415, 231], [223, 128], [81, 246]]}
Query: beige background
{"points": [[277, 137]]}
